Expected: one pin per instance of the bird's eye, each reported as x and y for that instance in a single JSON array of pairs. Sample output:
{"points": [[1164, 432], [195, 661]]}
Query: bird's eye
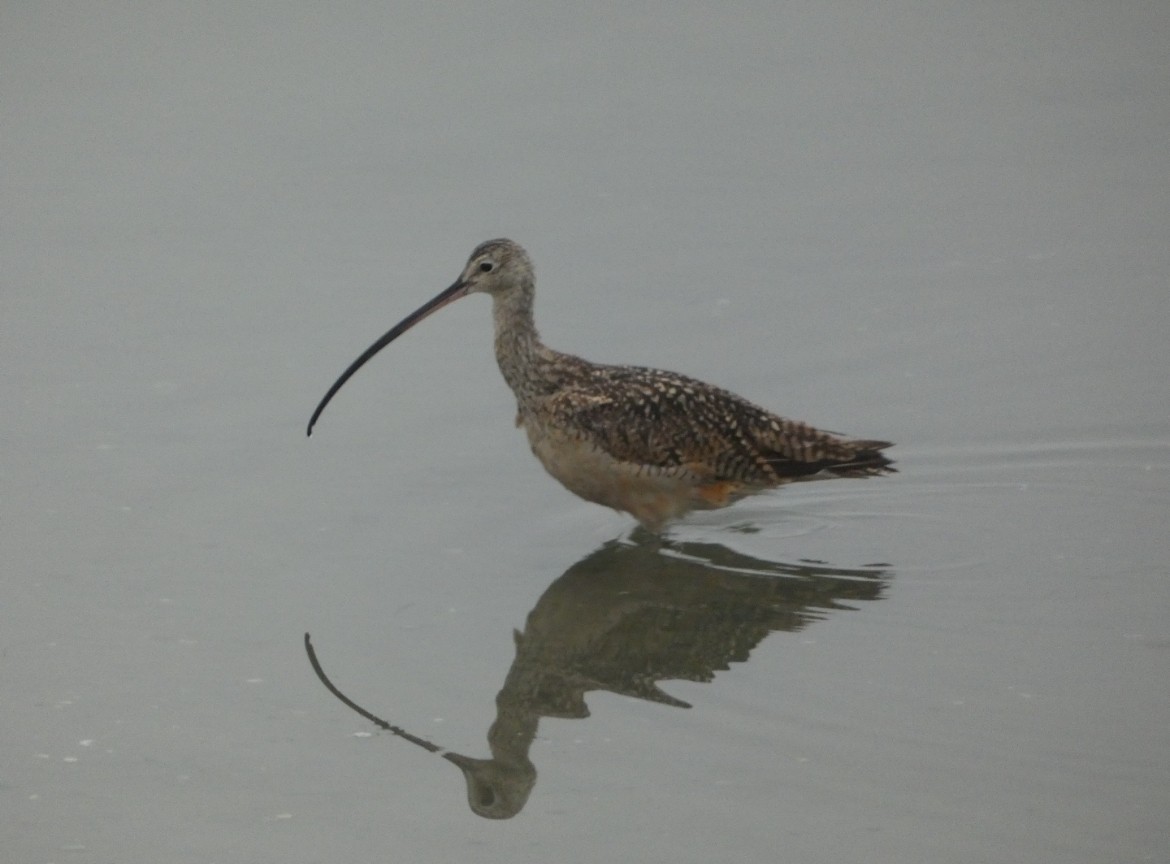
{"points": [[487, 266]]}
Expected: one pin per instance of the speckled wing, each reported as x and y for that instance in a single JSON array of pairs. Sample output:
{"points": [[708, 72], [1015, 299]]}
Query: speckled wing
{"points": [[657, 418]]}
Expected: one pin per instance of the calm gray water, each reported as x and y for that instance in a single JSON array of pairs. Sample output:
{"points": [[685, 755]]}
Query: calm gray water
{"points": [[945, 225]]}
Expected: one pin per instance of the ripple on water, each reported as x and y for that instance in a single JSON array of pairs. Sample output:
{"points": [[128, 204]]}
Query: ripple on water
{"points": [[954, 508]]}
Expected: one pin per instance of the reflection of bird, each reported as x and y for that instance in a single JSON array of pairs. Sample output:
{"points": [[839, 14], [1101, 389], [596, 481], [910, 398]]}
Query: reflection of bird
{"points": [[629, 616], [652, 443], [625, 618]]}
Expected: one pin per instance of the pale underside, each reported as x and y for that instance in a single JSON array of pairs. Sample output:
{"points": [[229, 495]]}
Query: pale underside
{"points": [[652, 494]]}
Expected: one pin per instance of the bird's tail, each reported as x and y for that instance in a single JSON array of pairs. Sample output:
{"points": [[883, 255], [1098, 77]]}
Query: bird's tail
{"points": [[866, 460]]}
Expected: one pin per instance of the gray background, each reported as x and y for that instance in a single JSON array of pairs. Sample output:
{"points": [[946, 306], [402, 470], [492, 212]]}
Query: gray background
{"points": [[939, 223]]}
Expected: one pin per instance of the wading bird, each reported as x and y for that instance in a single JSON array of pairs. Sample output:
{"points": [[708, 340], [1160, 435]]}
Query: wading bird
{"points": [[652, 443]]}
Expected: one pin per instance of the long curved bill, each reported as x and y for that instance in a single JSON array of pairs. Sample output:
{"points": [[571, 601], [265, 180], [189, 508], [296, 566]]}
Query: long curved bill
{"points": [[450, 295]]}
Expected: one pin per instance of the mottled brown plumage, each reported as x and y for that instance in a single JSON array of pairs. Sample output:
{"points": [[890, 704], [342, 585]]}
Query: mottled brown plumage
{"points": [[655, 444]]}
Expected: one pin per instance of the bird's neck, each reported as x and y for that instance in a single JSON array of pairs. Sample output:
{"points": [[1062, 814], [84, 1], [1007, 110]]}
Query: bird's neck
{"points": [[519, 351]]}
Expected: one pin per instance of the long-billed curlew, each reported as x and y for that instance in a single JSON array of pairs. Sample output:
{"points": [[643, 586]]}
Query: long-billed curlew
{"points": [[655, 444]]}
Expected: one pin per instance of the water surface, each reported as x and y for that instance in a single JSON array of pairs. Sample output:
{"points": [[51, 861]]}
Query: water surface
{"points": [[945, 227]]}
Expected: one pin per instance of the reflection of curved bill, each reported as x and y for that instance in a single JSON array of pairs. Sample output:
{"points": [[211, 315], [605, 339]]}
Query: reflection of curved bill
{"points": [[496, 790], [625, 618]]}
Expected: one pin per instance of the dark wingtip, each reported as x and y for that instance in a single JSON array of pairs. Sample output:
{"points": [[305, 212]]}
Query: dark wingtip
{"points": [[867, 461]]}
